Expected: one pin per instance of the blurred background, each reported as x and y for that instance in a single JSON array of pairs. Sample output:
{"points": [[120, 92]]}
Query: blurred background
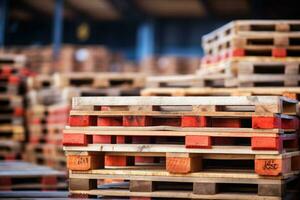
{"points": [[131, 29]]}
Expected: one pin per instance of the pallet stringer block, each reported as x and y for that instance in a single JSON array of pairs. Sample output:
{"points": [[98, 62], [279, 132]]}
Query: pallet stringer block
{"points": [[183, 163], [205, 188], [194, 121], [271, 189], [196, 141], [86, 120], [119, 161], [141, 186], [85, 162], [76, 139], [266, 143], [82, 184]]}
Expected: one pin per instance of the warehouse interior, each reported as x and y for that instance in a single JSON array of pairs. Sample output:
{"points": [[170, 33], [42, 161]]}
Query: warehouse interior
{"points": [[150, 99]]}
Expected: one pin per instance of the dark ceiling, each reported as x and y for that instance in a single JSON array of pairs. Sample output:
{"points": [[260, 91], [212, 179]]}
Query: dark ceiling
{"points": [[107, 10]]}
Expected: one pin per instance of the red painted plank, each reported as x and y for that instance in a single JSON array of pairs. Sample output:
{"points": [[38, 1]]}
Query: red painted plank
{"points": [[104, 139], [75, 139], [195, 141], [238, 52], [266, 143], [118, 161], [194, 121], [266, 122], [15, 80], [82, 120], [18, 111], [109, 121], [279, 52]]}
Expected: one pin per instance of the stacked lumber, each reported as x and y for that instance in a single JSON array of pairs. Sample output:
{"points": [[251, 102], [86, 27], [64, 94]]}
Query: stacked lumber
{"points": [[47, 114], [17, 175], [12, 102], [249, 53], [242, 147]]}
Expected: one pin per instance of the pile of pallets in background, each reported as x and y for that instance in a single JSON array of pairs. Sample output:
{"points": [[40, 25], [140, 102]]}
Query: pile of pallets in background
{"points": [[102, 83], [74, 58], [12, 103], [251, 53], [243, 147], [49, 103], [17, 175], [47, 114]]}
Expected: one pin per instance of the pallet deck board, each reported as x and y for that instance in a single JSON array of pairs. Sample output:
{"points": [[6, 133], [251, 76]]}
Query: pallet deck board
{"points": [[157, 148]]}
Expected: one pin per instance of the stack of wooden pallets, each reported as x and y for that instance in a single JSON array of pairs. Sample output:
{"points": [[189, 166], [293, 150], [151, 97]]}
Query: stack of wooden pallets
{"points": [[183, 147], [17, 175], [252, 53], [47, 114], [12, 102]]}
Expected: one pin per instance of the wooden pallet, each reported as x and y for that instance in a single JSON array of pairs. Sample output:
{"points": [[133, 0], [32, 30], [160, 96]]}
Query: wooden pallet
{"points": [[274, 53], [106, 120], [251, 26], [248, 72], [160, 184], [202, 138], [290, 92], [172, 106], [253, 41], [183, 162], [16, 175], [101, 80]]}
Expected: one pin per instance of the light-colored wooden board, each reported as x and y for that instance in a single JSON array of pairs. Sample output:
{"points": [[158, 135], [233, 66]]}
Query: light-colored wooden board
{"points": [[162, 175], [176, 101], [156, 148]]}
